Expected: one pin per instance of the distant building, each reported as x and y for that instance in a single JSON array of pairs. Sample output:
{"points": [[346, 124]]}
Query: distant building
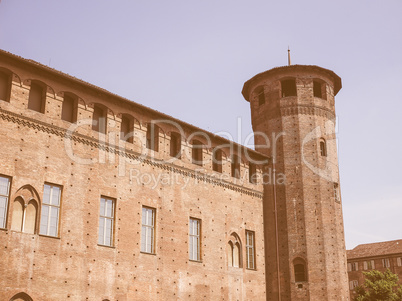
{"points": [[376, 256]]}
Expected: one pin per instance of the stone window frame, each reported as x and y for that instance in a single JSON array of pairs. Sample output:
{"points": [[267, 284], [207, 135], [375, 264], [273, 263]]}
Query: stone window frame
{"points": [[194, 239], [250, 250], [55, 208], [148, 230], [104, 218]]}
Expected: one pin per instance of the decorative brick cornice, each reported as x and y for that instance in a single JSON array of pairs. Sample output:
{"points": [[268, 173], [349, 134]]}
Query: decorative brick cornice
{"points": [[130, 154], [307, 110]]}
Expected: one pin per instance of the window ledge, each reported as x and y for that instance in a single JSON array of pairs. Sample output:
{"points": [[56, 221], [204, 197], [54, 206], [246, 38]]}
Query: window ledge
{"points": [[142, 252], [196, 261], [49, 236], [106, 246]]}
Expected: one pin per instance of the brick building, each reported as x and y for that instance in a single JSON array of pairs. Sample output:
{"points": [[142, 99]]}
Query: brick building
{"points": [[102, 198], [375, 256]]}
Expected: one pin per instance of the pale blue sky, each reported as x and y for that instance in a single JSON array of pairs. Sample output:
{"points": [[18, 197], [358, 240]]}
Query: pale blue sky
{"points": [[190, 59]]}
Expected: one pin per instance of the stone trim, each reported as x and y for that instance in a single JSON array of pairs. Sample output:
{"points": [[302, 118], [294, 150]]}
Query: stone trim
{"points": [[307, 110], [111, 148]]}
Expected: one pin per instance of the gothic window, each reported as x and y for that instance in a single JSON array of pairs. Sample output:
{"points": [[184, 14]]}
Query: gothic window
{"points": [[148, 230], [195, 239], [37, 97], [234, 251], [4, 196], [5, 85], [323, 148], [153, 137], [235, 166], [99, 118], [288, 87], [175, 145], [217, 160], [21, 297], [24, 217], [127, 128], [106, 221], [299, 267], [69, 107], [197, 152], [49, 220]]}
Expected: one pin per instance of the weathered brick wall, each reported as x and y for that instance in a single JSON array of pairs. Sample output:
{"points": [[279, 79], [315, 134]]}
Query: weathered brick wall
{"points": [[73, 266]]}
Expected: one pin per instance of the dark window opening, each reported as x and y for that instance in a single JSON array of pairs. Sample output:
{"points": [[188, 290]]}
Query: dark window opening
{"points": [[197, 152], [153, 137], [69, 108], [5, 86], [127, 129], [289, 88], [300, 273], [99, 119], [217, 160], [323, 148], [252, 173], [235, 167], [317, 89], [175, 145], [36, 101]]}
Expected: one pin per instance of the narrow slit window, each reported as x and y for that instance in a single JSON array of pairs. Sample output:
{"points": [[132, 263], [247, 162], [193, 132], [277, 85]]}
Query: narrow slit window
{"points": [[336, 192], [323, 148], [317, 89], [217, 160], [153, 137], [175, 145], [250, 250], [126, 129], [36, 101], [289, 88]]}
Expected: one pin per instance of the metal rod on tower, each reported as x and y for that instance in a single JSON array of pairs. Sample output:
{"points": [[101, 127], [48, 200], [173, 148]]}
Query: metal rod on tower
{"points": [[289, 63]]}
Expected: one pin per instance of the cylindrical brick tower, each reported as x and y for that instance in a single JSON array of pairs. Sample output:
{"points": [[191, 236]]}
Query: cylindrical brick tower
{"points": [[293, 118]]}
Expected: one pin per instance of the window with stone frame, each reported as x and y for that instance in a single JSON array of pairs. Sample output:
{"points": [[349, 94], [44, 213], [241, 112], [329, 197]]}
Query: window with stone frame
{"points": [[250, 249], [50, 211], [148, 230], [106, 221], [195, 239]]}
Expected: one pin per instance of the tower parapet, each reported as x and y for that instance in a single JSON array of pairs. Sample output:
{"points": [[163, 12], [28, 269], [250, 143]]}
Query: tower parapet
{"points": [[293, 107]]}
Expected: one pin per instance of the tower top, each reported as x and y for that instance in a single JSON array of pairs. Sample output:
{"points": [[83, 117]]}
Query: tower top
{"points": [[284, 71]]}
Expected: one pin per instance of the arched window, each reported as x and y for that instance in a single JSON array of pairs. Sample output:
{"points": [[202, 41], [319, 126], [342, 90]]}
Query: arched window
{"points": [[37, 97], [288, 87], [24, 218], [323, 148], [234, 251], [69, 107], [99, 118], [299, 267], [21, 297], [5, 84]]}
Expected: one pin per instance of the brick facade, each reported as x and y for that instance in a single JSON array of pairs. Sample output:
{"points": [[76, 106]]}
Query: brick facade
{"points": [[40, 150]]}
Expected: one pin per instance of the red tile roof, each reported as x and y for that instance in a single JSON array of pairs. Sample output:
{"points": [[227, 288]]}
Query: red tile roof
{"points": [[376, 249]]}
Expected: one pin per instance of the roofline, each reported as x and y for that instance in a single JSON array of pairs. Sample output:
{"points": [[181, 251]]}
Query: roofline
{"points": [[374, 256], [337, 80], [81, 82]]}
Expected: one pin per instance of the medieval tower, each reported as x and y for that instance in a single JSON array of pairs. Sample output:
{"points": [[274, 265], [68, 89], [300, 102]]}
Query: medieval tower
{"points": [[293, 117]]}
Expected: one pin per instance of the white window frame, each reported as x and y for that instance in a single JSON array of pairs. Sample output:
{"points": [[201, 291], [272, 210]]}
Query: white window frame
{"points": [[386, 263], [106, 218], [5, 196], [148, 230], [250, 249], [353, 284], [49, 223], [195, 239]]}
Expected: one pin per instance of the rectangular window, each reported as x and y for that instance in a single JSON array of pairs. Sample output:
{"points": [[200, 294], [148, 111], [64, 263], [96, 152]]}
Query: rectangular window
{"points": [[353, 284], [99, 119], [175, 145], [69, 108], [368, 265], [126, 129], [385, 263], [4, 195], [336, 192], [36, 101], [106, 221], [49, 220], [217, 160], [194, 237], [250, 249], [153, 137], [235, 167], [352, 267], [399, 261], [197, 152], [252, 173], [148, 230], [5, 86]]}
